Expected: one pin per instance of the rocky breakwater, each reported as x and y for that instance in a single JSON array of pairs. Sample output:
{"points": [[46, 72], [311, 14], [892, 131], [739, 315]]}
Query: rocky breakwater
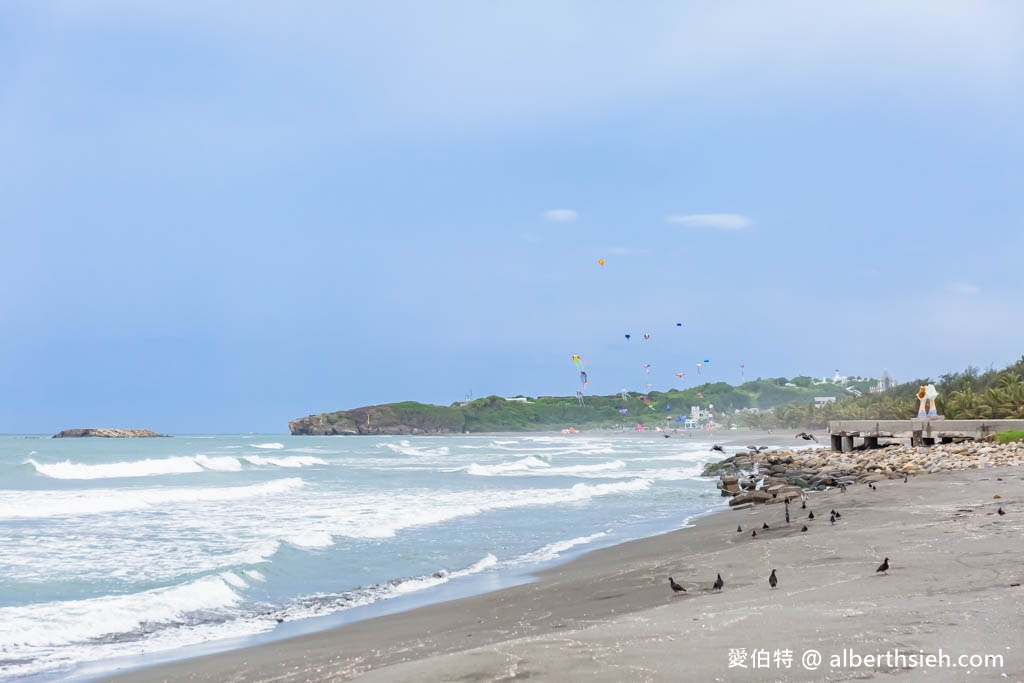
{"points": [[775, 476], [107, 433]]}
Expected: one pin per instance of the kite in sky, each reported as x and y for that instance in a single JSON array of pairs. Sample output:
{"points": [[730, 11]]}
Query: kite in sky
{"points": [[578, 362]]}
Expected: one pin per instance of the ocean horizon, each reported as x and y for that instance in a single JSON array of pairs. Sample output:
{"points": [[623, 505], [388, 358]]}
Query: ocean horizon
{"points": [[117, 553]]}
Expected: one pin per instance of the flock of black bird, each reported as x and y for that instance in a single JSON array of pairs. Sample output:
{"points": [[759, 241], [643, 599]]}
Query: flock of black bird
{"points": [[773, 579], [834, 515]]}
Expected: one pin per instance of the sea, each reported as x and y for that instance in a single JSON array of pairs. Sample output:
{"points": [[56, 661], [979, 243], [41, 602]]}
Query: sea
{"points": [[121, 553]]}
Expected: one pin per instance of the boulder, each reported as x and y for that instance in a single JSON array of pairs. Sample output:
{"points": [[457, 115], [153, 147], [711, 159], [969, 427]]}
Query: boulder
{"points": [[750, 497]]}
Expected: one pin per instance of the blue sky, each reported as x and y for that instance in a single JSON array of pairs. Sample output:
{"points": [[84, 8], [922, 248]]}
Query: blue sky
{"points": [[217, 220]]}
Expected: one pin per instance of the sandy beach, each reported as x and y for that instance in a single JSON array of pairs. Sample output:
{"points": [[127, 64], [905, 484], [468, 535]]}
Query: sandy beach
{"points": [[611, 616]]}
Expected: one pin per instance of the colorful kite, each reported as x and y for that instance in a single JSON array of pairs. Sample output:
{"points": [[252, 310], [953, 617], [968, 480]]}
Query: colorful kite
{"points": [[578, 362]]}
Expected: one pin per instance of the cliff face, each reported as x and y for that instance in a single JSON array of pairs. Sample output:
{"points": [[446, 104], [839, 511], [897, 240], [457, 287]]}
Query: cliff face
{"points": [[106, 433], [394, 418]]}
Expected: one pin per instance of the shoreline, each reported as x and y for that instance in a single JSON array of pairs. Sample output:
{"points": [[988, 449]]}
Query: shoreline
{"points": [[609, 613]]}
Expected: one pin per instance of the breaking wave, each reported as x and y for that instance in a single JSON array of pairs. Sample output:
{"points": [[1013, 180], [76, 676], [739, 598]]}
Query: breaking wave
{"points": [[403, 447], [159, 467], [37, 504]]}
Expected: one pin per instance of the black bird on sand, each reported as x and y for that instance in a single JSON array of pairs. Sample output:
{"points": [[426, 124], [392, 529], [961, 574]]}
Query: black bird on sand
{"points": [[719, 583], [666, 435], [811, 515], [753, 534], [739, 529], [1000, 511], [838, 516], [806, 437], [787, 515], [832, 519], [773, 581], [884, 567], [764, 525], [718, 448], [805, 528], [676, 588]]}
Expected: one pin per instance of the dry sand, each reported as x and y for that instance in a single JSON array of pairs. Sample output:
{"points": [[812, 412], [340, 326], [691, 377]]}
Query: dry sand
{"points": [[610, 615]]}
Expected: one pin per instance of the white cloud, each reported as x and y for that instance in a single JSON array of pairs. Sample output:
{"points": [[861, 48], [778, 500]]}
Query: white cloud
{"points": [[963, 288], [561, 216], [718, 221]]}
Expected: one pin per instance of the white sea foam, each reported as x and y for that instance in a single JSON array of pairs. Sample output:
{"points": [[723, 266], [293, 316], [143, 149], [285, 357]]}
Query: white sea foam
{"points": [[553, 550], [383, 517], [220, 463], [234, 580], [165, 466], [517, 467], [274, 446], [287, 461], [310, 539], [532, 466], [36, 504], [131, 468], [76, 621], [403, 447], [321, 603]]}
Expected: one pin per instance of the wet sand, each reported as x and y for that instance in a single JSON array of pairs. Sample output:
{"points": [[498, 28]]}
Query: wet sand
{"points": [[611, 616]]}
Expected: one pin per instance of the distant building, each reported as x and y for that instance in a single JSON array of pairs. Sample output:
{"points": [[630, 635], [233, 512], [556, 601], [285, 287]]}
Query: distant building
{"points": [[884, 384], [819, 401], [518, 399]]}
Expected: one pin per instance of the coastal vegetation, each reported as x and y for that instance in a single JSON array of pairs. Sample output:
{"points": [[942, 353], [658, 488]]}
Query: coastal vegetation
{"points": [[545, 413], [771, 403], [1009, 436], [970, 394]]}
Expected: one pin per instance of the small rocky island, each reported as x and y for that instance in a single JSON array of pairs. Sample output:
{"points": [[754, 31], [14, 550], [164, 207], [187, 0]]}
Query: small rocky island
{"points": [[107, 433]]}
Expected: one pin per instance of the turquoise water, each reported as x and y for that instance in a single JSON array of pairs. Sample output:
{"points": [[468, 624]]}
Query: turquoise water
{"points": [[113, 548]]}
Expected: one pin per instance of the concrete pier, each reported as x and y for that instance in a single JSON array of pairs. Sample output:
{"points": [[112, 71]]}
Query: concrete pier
{"points": [[920, 432]]}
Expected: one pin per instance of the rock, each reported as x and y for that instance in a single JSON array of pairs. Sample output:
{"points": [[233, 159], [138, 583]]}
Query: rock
{"points": [[107, 433], [750, 497]]}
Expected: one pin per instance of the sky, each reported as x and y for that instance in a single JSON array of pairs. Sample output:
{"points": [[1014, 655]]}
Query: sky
{"points": [[218, 218]]}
